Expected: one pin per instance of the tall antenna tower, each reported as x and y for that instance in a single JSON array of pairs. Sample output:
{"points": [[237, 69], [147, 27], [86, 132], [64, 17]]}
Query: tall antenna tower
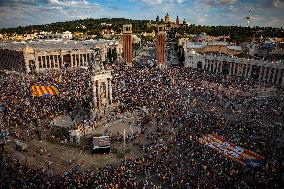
{"points": [[248, 20]]}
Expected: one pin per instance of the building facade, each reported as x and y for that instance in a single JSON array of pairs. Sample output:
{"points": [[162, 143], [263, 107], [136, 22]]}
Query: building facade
{"points": [[257, 69], [127, 43], [53, 54]]}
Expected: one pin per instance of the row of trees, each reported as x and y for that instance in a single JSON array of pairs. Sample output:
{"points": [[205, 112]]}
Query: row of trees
{"points": [[89, 26], [93, 26]]}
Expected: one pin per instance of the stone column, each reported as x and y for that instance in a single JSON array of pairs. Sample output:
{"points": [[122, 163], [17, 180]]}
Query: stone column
{"points": [[45, 62], [88, 59], [269, 75], [36, 64], [250, 70], [95, 95], [221, 66], [79, 60], [110, 92], [83, 61], [264, 74], [246, 70], [107, 95], [260, 73], [274, 75], [282, 75], [62, 62], [55, 61], [233, 68], [230, 68], [99, 97], [278, 76], [216, 66], [71, 55]]}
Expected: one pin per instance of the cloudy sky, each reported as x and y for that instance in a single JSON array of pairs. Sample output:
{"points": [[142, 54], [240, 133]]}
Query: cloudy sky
{"points": [[205, 12]]}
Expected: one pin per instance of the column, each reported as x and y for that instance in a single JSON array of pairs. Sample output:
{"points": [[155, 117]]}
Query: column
{"points": [[76, 58], [233, 68], [99, 97], [88, 59], [278, 76], [260, 73], [55, 61], [50, 62], [58, 60], [94, 94], [264, 74], [107, 95], [246, 70], [36, 64], [110, 92], [282, 75], [250, 70], [274, 76], [85, 59], [45, 63], [221, 67], [71, 55], [230, 68], [79, 60], [269, 75], [62, 62]]}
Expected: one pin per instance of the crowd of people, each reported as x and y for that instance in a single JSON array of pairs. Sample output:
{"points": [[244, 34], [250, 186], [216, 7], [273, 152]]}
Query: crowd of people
{"points": [[184, 104]]}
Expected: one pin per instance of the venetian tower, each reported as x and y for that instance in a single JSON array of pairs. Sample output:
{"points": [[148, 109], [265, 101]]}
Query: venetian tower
{"points": [[161, 46], [127, 44]]}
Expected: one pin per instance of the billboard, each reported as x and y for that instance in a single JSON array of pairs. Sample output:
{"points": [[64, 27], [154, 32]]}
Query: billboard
{"points": [[101, 144]]}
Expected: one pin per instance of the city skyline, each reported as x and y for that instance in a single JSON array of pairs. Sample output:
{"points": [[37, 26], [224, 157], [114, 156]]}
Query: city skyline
{"points": [[15, 13]]}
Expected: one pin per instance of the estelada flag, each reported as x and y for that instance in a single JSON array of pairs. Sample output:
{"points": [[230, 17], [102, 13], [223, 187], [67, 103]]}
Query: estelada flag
{"points": [[232, 151], [44, 90]]}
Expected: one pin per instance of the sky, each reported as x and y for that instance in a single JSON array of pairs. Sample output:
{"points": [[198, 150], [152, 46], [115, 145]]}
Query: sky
{"points": [[15, 13]]}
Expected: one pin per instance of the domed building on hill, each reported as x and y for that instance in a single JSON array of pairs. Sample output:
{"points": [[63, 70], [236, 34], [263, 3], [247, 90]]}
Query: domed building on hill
{"points": [[169, 24]]}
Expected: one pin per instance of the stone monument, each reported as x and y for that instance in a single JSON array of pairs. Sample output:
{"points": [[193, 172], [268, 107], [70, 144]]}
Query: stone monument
{"points": [[102, 87]]}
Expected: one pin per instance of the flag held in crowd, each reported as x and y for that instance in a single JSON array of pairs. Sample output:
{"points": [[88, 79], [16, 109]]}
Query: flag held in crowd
{"points": [[44, 90], [232, 151]]}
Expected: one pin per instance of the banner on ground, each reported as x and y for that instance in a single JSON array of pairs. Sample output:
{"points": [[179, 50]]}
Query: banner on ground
{"points": [[232, 151], [44, 90]]}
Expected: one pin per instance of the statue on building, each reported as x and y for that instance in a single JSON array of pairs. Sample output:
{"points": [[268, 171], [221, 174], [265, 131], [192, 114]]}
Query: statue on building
{"points": [[177, 21]]}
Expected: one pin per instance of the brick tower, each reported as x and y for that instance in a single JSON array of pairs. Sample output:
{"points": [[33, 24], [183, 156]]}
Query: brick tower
{"points": [[161, 46], [127, 43]]}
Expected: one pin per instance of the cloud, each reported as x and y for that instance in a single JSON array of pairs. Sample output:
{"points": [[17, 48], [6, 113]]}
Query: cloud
{"points": [[73, 3], [218, 2], [29, 12], [278, 3], [158, 2]]}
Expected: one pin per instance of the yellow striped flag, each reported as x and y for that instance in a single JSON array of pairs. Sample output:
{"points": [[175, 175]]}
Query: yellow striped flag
{"points": [[44, 90]]}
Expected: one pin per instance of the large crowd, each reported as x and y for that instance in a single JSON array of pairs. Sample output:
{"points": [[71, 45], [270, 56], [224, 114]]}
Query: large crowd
{"points": [[183, 103]]}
